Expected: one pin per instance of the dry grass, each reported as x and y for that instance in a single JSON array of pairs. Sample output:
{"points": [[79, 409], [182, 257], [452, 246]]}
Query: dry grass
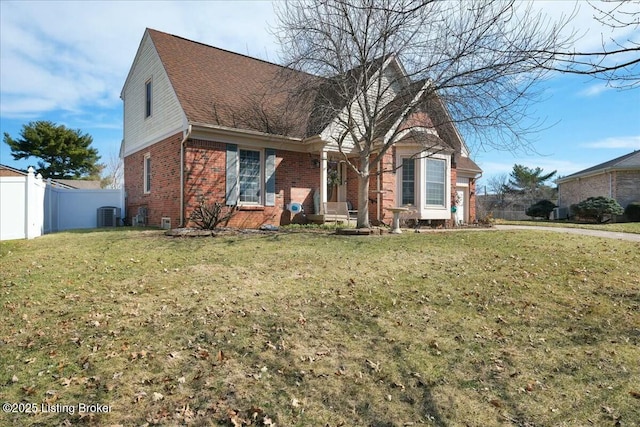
{"points": [[310, 329]]}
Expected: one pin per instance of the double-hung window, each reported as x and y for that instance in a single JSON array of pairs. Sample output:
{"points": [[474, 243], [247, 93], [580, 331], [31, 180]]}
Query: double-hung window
{"points": [[435, 182], [249, 177], [408, 181], [147, 173]]}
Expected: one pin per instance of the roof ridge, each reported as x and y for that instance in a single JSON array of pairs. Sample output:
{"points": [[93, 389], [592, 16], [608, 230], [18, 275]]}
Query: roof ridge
{"points": [[230, 51]]}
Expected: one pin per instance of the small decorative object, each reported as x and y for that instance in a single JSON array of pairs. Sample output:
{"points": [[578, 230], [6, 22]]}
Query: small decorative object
{"points": [[333, 177]]}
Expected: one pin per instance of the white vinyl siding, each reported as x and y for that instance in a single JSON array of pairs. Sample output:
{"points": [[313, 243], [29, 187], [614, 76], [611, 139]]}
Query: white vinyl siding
{"points": [[387, 91], [167, 117]]}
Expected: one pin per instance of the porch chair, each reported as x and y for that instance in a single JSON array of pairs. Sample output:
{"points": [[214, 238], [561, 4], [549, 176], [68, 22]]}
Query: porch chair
{"points": [[338, 212]]}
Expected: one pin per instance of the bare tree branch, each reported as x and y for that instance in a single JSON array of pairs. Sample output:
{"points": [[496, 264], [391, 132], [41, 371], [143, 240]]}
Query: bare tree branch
{"points": [[466, 64], [618, 60]]}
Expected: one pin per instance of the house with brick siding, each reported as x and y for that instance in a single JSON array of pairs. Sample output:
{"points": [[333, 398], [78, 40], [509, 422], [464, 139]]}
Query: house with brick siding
{"points": [[618, 179], [202, 123]]}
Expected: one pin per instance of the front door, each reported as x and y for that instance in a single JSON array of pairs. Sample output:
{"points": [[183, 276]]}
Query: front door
{"points": [[342, 186]]}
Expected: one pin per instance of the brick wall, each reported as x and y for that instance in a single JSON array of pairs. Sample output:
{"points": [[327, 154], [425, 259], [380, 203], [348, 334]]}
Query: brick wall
{"points": [[297, 178], [627, 187], [624, 186], [575, 191], [164, 198], [453, 191]]}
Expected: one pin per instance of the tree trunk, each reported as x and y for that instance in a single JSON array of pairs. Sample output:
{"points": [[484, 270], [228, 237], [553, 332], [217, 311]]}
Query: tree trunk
{"points": [[363, 192]]}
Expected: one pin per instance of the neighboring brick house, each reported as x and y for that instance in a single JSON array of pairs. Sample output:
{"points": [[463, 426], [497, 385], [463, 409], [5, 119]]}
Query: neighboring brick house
{"points": [[618, 179], [205, 123]]}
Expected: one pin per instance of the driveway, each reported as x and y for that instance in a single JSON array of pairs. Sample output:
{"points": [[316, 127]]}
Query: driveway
{"points": [[596, 233]]}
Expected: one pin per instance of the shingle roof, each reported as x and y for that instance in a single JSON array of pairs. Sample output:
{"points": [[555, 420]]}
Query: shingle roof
{"points": [[628, 161], [80, 184], [216, 86], [467, 165]]}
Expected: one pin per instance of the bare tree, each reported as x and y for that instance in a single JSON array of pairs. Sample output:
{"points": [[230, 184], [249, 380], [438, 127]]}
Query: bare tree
{"points": [[113, 172], [478, 59], [499, 185], [618, 59]]}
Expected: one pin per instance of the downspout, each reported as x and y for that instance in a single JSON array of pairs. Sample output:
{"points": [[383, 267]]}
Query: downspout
{"points": [[378, 193], [184, 140], [610, 186]]}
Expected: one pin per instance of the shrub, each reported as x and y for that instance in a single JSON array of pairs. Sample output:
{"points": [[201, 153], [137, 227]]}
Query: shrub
{"points": [[597, 208], [632, 212], [207, 216], [541, 209]]}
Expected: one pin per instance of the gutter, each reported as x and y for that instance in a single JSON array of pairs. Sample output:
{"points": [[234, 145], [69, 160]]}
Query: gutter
{"points": [[182, 143]]}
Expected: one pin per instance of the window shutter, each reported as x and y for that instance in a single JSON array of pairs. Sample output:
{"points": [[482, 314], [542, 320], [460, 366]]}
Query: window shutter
{"points": [[270, 177], [232, 175]]}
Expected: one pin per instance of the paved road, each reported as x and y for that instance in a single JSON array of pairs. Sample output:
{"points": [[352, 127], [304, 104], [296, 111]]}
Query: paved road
{"points": [[596, 233]]}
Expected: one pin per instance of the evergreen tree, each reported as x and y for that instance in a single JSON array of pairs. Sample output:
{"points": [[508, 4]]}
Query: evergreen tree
{"points": [[64, 153]]}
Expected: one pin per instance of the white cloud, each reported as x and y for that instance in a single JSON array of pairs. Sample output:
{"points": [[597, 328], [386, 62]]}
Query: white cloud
{"points": [[589, 33], [629, 142], [595, 90], [74, 56]]}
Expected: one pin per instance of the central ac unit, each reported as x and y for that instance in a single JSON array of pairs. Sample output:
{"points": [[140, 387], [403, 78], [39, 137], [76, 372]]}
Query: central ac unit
{"points": [[108, 216]]}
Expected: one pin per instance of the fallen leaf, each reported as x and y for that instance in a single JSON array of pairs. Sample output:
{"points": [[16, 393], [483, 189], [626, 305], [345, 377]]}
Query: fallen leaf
{"points": [[157, 396], [139, 396], [496, 403], [29, 390], [373, 365]]}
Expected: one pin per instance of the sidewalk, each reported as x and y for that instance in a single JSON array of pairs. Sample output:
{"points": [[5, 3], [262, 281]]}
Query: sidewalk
{"points": [[596, 233]]}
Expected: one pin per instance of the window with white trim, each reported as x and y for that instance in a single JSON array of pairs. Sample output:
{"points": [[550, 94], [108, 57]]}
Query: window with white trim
{"points": [[249, 182], [147, 173], [435, 182], [148, 101], [408, 181]]}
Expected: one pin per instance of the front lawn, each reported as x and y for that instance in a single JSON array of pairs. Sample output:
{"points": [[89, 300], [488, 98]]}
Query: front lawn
{"points": [[474, 328]]}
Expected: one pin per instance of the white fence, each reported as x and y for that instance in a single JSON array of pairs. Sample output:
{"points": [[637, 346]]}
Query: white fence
{"points": [[21, 206], [30, 207]]}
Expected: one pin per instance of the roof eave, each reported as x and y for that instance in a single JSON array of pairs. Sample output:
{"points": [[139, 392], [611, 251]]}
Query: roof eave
{"points": [[257, 134], [595, 173]]}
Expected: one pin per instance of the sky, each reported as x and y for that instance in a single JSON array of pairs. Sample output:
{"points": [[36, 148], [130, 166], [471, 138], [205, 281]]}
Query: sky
{"points": [[66, 62]]}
